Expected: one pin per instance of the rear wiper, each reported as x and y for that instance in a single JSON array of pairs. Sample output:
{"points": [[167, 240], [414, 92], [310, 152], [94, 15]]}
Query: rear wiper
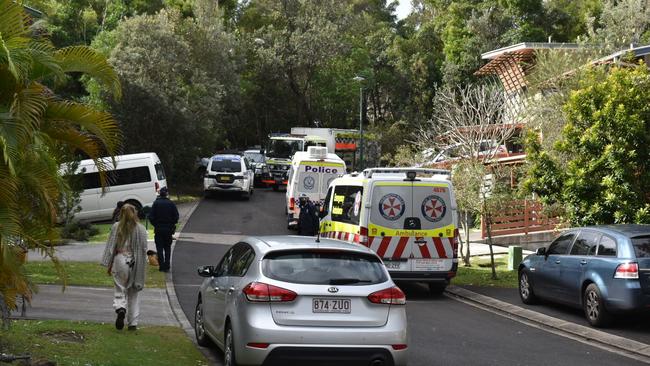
{"points": [[347, 281]]}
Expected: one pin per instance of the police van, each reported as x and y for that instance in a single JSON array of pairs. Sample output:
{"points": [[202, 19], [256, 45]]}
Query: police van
{"points": [[311, 173], [408, 216]]}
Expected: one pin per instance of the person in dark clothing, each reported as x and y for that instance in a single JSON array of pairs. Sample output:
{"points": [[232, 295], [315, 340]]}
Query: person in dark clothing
{"points": [[163, 217], [116, 211], [308, 222]]}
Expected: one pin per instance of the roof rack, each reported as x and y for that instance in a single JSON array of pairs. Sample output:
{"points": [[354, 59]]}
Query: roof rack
{"points": [[369, 172]]}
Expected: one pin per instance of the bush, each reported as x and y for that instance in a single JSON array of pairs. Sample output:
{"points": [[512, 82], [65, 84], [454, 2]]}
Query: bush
{"points": [[79, 231]]}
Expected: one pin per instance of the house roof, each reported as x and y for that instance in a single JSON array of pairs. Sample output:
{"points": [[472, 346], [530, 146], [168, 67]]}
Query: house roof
{"points": [[638, 52], [520, 54]]}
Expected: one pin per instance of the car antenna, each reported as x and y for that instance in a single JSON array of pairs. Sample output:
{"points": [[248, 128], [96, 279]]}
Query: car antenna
{"points": [[318, 233]]}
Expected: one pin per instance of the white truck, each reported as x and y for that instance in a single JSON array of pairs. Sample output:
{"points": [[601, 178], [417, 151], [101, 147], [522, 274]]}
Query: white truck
{"points": [[327, 134]]}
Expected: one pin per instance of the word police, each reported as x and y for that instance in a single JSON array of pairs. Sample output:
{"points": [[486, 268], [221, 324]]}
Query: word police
{"points": [[321, 169]]}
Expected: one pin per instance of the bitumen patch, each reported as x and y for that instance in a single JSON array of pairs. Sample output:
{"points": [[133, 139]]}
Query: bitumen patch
{"points": [[624, 346]]}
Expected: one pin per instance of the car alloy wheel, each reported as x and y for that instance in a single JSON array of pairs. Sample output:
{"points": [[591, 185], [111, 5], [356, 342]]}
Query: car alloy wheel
{"points": [[525, 289], [229, 351], [594, 307], [199, 327]]}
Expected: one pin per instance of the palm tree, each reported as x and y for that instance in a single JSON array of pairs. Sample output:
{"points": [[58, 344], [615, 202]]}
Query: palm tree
{"points": [[37, 131]]}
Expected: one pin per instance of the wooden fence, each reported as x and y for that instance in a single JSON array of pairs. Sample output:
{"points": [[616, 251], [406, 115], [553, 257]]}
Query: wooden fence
{"points": [[519, 217]]}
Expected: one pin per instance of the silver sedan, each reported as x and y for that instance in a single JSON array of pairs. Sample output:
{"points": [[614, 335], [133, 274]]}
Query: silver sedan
{"points": [[288, 300]]}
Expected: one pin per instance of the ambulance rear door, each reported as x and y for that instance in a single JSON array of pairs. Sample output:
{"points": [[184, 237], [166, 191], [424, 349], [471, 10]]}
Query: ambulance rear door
{"points": [[432, 211], [390, 206]]}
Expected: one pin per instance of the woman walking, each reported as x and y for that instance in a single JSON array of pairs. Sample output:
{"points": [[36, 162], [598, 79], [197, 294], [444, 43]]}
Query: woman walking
{"points": [[125, 256]]}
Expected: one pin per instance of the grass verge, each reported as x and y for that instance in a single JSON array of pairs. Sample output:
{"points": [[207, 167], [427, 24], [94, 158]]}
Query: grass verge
{"points": [[84, 343], [105, 229], [480, 274], [84, 274]]}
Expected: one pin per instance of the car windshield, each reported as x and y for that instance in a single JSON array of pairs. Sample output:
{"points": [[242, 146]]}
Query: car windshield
{"points": [[283, 148], [229, 165], [641, 246], [324, 267], [254, 157]]}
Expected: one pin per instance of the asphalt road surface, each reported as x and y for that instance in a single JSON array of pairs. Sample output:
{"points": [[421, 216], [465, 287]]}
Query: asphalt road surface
{"points": [[442, 331]]}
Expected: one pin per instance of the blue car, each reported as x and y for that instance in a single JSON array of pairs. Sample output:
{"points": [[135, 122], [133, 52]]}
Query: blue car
{"points": [[602, 269]]}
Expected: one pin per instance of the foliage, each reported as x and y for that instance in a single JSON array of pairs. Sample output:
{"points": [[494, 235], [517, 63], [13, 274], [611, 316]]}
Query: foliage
{"points": [[86, 343], [605, 176], [621, 23], [180, 117], [481, 274], [70, 200], [37, 131], [78, 231]]}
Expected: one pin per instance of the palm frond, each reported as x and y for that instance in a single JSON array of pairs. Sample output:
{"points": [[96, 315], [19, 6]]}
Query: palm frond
{"points": [[88, 61], [14, 37]]}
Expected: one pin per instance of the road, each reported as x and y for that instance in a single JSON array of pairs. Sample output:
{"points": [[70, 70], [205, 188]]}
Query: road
{"points": [[441, 330]]}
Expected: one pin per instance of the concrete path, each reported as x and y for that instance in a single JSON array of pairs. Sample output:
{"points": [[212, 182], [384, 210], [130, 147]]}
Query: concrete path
{"points": [[94, 304]]}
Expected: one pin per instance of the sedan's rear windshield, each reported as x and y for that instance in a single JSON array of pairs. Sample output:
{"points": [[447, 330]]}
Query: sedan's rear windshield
{"points": [[641, 246], [324, 267], [226, 165]]}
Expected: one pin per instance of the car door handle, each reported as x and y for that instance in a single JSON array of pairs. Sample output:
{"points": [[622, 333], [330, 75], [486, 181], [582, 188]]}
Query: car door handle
{"points": [[583, 262], [231, 290], [557, 261], [216, 289], [421, 242]]}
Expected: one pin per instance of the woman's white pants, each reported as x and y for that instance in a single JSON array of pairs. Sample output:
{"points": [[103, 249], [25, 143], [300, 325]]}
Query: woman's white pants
{"points": [[126, 298]]}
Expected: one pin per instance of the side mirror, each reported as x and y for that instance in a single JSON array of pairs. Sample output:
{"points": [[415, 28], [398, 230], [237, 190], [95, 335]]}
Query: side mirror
{"points": [[541, 251], [206, 271], [262, 151]]}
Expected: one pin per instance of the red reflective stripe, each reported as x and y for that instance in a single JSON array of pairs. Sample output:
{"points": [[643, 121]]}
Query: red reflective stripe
{"points": [[440, 248], [400, 247], [385, 241], [370, 240], [340, 235], [356, 238], [424, 249]]}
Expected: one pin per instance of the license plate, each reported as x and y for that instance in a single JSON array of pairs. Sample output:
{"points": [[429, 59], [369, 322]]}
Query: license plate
{"points": [[392, 265], [343, 306], [224, 179]]}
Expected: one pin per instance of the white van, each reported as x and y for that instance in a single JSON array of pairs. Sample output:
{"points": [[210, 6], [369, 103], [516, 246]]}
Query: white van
{"points": [[408, 216], [135, 179], [311, 173]]}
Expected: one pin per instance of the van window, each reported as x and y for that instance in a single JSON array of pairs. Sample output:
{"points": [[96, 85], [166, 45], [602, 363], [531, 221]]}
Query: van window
{"points": [[346, 204], [160, 172], [607, 247], [119, 177], [641, 246]]}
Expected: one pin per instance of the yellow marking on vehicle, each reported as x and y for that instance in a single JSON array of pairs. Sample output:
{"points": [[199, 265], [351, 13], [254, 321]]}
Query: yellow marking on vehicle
{"points": [[446, 231]]}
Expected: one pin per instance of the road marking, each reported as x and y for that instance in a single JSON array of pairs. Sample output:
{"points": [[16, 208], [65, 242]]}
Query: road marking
{"points": [[593, 337]]}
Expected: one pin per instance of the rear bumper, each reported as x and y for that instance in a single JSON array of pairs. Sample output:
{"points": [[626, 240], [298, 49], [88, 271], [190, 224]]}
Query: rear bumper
{"points": [[224, 188], [257, 325], [433, 277], [341, 356], [626, 296]]}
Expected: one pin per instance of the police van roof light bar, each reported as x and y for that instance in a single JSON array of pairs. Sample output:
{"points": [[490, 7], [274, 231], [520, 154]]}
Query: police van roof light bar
{"points": [[369, 172]]}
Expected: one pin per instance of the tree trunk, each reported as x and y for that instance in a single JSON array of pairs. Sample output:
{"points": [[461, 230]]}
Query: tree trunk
{"points": [[467, 254], [488, 226]]}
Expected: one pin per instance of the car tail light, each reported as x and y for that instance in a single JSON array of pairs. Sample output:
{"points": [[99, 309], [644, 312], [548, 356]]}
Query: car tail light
{"points": [[454, 243], [292, 203], [258, 345], [239, 177], [627, 270], [398, 347], [363, 236], [389, 296], [156, 186], [261, 292]]}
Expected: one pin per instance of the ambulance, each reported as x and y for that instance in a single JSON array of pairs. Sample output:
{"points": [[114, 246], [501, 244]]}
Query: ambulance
{"points": [[408, 216], [311, 173]]}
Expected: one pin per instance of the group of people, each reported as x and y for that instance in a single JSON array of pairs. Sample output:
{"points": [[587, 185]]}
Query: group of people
{"points": [[126, 252]]}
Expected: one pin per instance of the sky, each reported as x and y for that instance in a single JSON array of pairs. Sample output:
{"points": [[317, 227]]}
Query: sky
{"points": [[403, 9]]}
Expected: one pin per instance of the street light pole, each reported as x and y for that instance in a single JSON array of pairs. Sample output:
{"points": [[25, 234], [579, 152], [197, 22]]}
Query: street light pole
{"points": [[359, 79]]}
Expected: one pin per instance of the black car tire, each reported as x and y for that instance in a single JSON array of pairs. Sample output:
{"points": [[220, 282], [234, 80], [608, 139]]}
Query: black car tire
{"points": [[526, 292], [199, 328], [594, 307], [436, 289], [229, 358]]}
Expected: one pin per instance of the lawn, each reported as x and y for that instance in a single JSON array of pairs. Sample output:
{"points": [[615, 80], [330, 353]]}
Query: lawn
{"points": [[105, 229], [84, 274], [84, 343], [480, 274]]}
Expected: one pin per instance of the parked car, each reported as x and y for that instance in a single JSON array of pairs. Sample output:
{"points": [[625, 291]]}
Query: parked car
{"points": [[229, 173], [602, 269], [258, 161], [283, 300]]}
